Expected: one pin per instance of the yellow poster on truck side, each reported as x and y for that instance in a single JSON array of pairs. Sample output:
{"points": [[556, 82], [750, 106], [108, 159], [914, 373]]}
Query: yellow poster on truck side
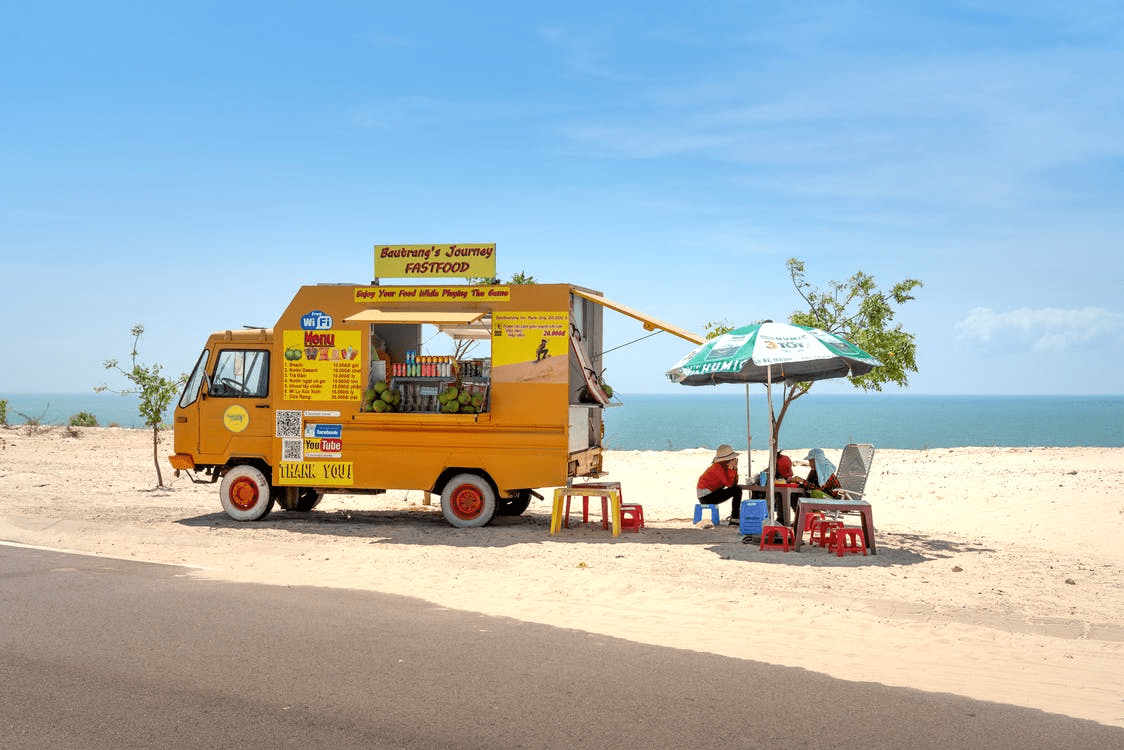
{"points": [[322, 365], [530, 347]]}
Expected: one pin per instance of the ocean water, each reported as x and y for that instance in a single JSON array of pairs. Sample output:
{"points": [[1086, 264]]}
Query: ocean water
{"points": [[704, 420], [673, 422], [58, 408]]}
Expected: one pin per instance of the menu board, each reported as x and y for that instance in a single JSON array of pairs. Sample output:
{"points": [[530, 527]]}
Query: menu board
{"points": [[322, 365]]}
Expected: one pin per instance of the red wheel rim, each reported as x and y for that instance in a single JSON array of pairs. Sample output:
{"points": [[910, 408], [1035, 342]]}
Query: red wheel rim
{"points": [[467, 502], [244, 493]]}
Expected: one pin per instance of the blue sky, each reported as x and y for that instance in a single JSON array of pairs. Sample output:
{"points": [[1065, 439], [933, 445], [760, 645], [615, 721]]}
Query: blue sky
{"points": [[188, 165]]}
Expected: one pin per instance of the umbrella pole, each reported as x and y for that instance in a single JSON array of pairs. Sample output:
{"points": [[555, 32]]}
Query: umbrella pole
{"points": [[748, 442], [772, 446]]}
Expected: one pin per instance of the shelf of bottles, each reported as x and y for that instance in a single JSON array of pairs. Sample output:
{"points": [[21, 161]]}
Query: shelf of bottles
{"points": [[440, 384]]}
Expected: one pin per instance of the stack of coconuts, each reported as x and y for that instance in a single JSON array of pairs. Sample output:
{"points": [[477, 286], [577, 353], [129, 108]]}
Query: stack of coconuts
{"points": [[380, 397], [460, 400]]}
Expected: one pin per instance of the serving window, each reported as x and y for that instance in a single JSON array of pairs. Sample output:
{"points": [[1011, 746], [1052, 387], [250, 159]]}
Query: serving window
{"points": [[404, 376]]}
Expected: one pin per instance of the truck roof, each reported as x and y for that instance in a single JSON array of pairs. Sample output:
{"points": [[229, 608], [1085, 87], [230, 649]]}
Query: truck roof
{"points": [[245, 336]]}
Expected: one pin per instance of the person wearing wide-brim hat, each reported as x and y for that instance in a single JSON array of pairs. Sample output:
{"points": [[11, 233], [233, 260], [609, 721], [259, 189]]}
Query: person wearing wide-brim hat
{"points": [[719, 482]]}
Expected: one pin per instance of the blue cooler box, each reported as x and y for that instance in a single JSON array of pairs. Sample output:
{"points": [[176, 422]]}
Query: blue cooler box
{"points": [[753, 516]]}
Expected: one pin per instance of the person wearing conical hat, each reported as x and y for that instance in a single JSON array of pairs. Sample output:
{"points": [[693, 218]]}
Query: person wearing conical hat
{"points": [[719, 482]]}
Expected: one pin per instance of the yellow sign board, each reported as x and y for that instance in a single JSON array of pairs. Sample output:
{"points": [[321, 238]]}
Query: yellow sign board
{"points": [[316, 473], [460, 293], [435, 261]]}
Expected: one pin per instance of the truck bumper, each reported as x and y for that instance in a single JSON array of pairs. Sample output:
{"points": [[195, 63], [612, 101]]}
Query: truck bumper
{"points": [[182, 461]]}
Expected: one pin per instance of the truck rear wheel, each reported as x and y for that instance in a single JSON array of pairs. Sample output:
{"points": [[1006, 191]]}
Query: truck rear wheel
{"points": [[305, 498], [308, 499], [468, 501], [514, 505], [245, 494]]}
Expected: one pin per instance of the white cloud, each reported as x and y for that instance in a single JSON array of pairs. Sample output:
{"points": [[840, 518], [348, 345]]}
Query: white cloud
{"points": [[1046, 329]]}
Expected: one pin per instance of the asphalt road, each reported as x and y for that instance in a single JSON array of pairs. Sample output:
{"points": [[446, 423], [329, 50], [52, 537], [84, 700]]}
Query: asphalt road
{"points": [[102, 653]]}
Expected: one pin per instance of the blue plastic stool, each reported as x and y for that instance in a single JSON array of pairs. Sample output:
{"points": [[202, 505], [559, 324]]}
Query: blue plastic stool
{"points": [[754, 516], [713, 513]]}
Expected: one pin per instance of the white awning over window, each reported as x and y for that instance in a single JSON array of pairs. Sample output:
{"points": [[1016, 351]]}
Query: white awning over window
{"points": [[479, 329]]}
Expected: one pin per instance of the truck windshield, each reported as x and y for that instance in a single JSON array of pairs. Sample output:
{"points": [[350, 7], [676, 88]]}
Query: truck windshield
{"points": [[191, 390], [241, 373]]}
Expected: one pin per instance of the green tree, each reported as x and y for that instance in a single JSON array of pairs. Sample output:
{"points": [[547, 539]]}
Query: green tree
{"points": [[156, 393], [516, 278], [521, 278], [858, 311]]}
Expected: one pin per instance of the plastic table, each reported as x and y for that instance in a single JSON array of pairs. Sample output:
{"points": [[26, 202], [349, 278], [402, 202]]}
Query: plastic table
{"points": [[782, 492], [608, 490]]}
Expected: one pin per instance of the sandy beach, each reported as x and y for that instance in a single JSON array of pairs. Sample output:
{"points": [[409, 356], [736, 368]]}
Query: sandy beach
{"points": [[1000, 574]]}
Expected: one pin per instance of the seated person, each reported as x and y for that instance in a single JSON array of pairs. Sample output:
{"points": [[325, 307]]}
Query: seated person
{"points": [[784, 472], [820, 467], [784, 468], [784, 476], [719, 483]]}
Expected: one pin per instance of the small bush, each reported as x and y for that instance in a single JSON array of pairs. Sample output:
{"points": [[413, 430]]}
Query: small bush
{"points": [[83, 419], [34, 425], [3, 412]]}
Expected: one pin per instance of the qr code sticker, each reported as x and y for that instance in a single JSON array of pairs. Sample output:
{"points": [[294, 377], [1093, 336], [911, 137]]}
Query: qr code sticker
{"points": [[292, 449], [288, 423]]}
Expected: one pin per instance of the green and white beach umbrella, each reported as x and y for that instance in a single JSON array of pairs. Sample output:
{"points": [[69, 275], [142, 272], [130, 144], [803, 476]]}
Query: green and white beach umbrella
{"points": [[771, 353]]}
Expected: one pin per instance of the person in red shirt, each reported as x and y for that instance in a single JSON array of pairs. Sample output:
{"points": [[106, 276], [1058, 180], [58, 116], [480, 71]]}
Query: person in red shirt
{"points": [[784, 468], [784, 475], [719, 482]]}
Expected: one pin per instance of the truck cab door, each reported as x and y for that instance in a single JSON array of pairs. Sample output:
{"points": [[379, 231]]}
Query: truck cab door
{"points": [[235, 413]]}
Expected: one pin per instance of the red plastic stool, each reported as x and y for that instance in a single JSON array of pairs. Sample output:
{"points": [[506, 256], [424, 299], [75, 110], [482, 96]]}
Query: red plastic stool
{"points": [[848, 539], [824, 531], [768, 532], [811, 520], [632, 517]]}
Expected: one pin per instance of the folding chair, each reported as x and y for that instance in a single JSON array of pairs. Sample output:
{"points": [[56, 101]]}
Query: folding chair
{"points": [[854, 468]]}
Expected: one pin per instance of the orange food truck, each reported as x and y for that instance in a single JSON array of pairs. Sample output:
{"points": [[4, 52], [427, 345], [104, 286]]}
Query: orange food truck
{"points": [[338, 396]]}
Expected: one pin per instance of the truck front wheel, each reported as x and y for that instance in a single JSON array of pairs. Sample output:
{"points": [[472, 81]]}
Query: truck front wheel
{"points": [[468, 501], [245, 494]]}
